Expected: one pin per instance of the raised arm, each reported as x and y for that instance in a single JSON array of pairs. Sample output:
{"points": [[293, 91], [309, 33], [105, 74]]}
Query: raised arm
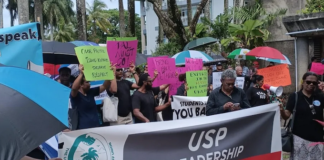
{"points": [[164, 106], [156, 73], [110, 85], [164, 86], [77, 83], [136, 76]]}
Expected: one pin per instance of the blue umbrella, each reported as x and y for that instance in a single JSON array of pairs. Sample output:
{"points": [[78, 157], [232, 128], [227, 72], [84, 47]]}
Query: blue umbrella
{"points": [[33, 108], [181, 57]]}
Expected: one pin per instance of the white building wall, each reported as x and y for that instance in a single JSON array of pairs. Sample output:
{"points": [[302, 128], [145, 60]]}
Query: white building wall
{"points": [[152, 31]]}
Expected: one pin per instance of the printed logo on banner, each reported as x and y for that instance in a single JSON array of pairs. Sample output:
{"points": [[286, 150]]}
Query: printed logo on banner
{"points": [[90, 146]]}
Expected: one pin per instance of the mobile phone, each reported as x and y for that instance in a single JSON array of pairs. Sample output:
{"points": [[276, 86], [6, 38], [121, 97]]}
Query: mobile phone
{"points": [[236, 104]]}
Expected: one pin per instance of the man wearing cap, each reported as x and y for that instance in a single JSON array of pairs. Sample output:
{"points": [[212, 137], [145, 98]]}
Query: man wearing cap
{"points": [[219, 67]]}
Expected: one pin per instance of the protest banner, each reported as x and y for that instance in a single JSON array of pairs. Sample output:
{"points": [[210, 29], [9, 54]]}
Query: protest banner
{"points": [[122, 53], [317, 68], [95, 61], [230, 136], [121, 38], [188, 107], [277, 75], [21, 46], [197, 83], [193, 64]]}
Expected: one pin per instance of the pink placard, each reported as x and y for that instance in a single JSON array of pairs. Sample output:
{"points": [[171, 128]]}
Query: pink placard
{"points": [[122, 53], [181, 70], [194, 64], [173, 88], [167, 71], [151, 66], [317, 68]]}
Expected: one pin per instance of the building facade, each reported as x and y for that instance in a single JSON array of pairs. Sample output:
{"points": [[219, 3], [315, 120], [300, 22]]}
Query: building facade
{"points": [[150, 21]]}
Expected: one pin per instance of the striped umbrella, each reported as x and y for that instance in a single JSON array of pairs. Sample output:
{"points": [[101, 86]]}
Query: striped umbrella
{"points": [[286, 61], [180, 57], [33, 108], [240, 54]]}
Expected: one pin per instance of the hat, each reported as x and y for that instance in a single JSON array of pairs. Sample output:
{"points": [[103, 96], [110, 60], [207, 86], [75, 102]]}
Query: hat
{"points": [[218, 63], [65, 69]]}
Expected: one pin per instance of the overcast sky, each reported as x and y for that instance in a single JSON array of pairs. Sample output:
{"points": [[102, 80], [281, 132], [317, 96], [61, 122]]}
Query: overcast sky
{"points": [[111, 4]]}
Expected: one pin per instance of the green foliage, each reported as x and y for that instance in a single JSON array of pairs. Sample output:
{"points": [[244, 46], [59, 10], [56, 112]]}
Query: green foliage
{"points": [[250, 34], [313, 6], [201, 31], [168, 49], [219, 27], [64, 32]]}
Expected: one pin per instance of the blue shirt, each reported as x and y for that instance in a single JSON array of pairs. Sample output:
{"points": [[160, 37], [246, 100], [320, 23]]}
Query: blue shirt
{"points": [[87, 109]]}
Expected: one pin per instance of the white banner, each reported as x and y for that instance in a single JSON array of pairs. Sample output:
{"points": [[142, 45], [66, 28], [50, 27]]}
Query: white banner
{"points": [[188, 107], [233, 135], [217, 80]]}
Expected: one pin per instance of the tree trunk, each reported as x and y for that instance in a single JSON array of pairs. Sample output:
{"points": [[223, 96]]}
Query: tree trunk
{"points": [[38, 14], [52, 28], [121, 19], [207, 10], [131, 17], [81, 17], [175, 15], [189, 12], [196, 16], [1, 13], [225, 6], [161, 34], [11, 18], [23, 11]]}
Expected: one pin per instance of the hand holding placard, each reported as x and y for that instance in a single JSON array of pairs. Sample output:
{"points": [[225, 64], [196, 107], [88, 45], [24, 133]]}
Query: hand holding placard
{"points": [[95, 63]]}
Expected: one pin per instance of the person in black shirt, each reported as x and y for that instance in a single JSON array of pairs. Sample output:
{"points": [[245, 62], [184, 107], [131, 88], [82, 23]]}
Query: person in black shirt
{"points": [[65, 76], [256, 95], [120, 88], [310, 108], [310, 64], [247, 79], [144, 104], [182, 90]]}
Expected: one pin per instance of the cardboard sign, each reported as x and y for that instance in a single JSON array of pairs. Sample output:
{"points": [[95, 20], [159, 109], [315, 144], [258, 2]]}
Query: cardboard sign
{"points": [[239, 82], [181, 70], [95, 61], [277, 75], [194, 64], [188, 107], [122, 53], [151, 67], [166, 69], [198, 83]]}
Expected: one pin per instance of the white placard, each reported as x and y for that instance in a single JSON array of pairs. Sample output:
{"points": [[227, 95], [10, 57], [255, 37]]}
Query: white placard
{"points": [[217, 80]]}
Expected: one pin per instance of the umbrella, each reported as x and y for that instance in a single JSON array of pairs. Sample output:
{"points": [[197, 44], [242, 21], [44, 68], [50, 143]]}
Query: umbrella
{"points": [[240, 54], [266, 52], [62, 53], [141, 58], [286, 61], [199, 42], [180, 57], [33, 108], [218, 58]]}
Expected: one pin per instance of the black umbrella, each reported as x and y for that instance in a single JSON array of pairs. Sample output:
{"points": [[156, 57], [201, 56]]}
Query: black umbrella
{"points": [[218, 58], [59, 53], [141, 58]]}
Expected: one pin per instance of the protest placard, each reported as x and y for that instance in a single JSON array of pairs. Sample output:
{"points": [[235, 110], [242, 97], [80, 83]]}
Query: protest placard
{"points": [[166, 69], [188, 107], [95, 61], [197, 83], [121, 38], [239, 82], [317, 68], [173, 88], [181, 70], [194, 64], [230, 136], [151, 67], [277, 75], [122, 53]]}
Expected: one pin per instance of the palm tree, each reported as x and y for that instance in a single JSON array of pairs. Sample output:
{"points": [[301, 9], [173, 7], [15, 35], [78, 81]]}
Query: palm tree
{"points": [[23, 11], [13, 10], [121, 18], [97, 18], [91, 155], [81, 17], [131, 17], [1, 13], [53, 11], [38, 14], [225, 5], [64, 32]]}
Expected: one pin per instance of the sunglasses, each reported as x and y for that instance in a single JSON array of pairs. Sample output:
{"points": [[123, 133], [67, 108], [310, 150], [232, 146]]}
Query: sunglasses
{"points": [[311, 82], [118, 70], [230, 84]]}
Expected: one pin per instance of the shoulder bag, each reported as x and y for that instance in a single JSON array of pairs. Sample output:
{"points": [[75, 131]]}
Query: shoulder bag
{"points": [[110, 109], [286, 134]]}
